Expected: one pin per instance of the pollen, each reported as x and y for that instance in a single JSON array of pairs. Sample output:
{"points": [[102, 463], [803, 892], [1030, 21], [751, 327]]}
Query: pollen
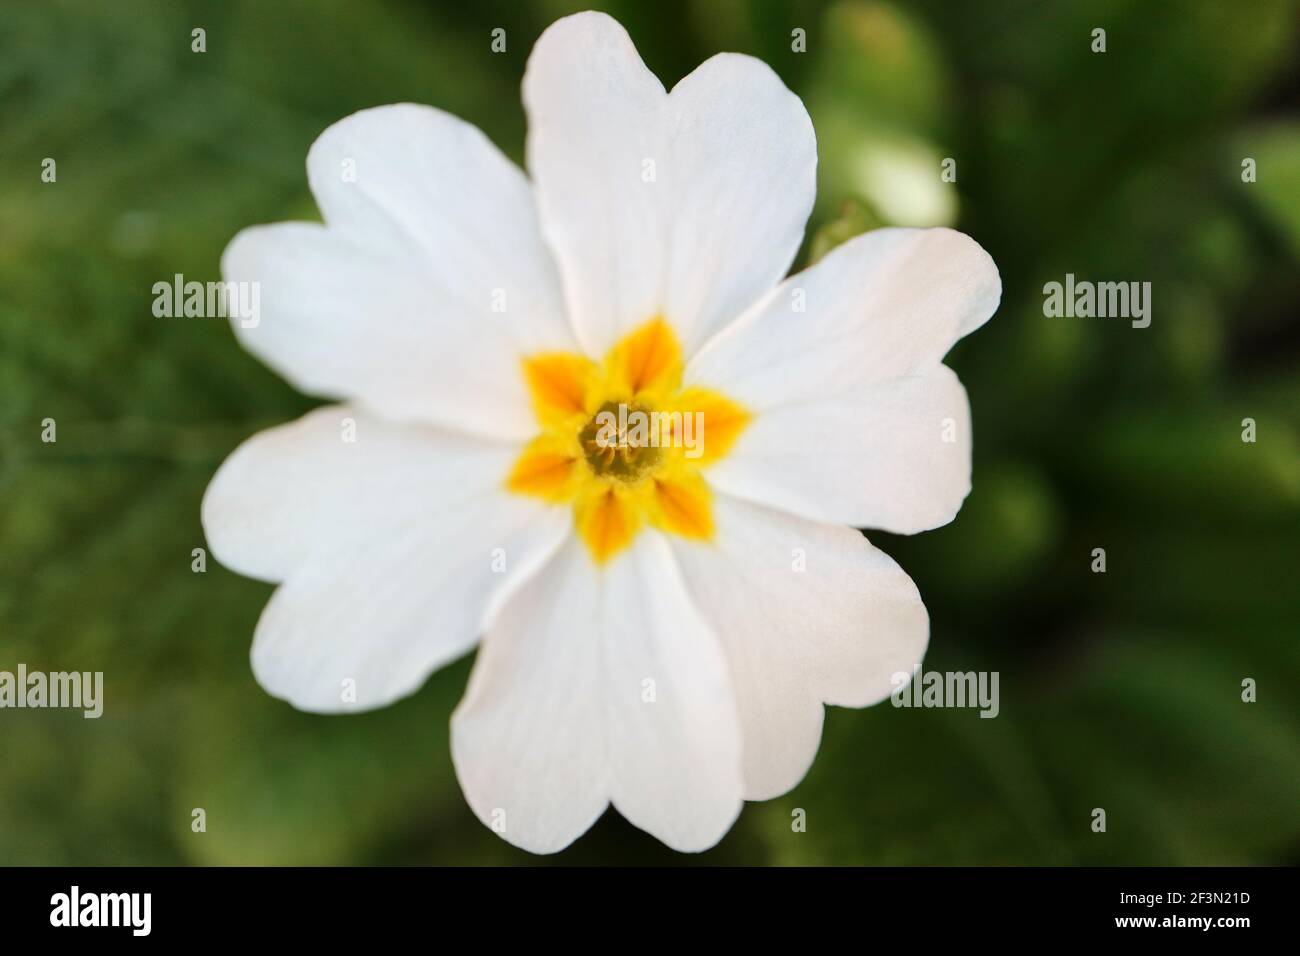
{"points": [[623, 443], [616, 449]]}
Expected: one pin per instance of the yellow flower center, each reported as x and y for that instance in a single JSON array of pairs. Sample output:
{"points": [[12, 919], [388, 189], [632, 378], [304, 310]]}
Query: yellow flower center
{"points": [[616, 450], [623, 442]]}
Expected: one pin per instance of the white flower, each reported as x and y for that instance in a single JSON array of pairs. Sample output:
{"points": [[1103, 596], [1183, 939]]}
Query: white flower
{"points": [[660, 632]]}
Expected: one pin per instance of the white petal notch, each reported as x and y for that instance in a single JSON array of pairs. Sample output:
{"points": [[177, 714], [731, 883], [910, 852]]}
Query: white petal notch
{"points": [[689, 204], [394, 550], [425, 287], [656, 633], [856, 420], [807, 614], [596, 687]]}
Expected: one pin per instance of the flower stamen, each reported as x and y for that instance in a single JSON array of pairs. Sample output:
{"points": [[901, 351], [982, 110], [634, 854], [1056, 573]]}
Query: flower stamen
{"points": [[613, 449], [623, 442]]}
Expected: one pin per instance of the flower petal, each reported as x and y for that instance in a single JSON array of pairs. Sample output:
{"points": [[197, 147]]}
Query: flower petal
{"points": [[607, 518], [647, 359], [688, 205], [558, 383], [682, 504], [426, 286], [547, 469], [854, 421], [598, 686], [394, 550], [807, 614], [894, 455], [527, 738]]}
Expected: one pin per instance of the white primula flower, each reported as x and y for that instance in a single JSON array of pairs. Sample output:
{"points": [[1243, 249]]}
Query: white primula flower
{"points": [[661, 623]]}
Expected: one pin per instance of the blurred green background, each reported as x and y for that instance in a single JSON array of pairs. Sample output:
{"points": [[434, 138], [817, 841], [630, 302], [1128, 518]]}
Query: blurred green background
{"points": [[1119, 690]]}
